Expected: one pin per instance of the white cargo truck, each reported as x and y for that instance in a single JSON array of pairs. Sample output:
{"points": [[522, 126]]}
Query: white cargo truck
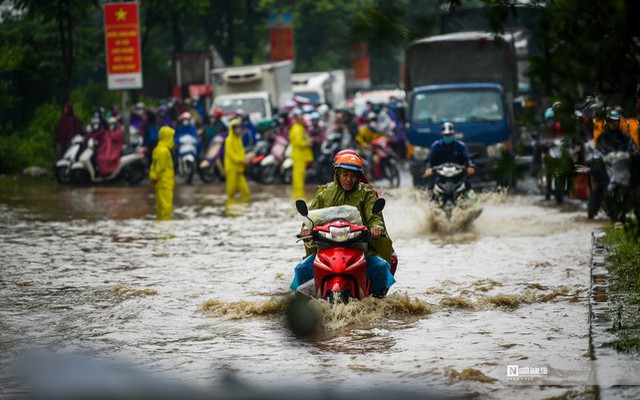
{"points": [[259, 90], [321, 87]]}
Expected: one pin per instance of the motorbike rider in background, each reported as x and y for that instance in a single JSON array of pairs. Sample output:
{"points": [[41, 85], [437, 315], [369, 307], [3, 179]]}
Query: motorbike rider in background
{"points": [[612, 139], [215, 126], [346, 124], [68, 127], [347, 189], [317, 133], [449, 150], [185, 127], [367, 134]]}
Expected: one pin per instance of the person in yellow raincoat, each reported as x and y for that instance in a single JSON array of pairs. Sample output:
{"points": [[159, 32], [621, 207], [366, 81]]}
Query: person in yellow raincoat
{"points": [[301, 153], [161, 173], [234, 163]]}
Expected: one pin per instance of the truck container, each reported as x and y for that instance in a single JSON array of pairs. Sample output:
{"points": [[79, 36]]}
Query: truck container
{"points": [[321, 87], [259, 90]]}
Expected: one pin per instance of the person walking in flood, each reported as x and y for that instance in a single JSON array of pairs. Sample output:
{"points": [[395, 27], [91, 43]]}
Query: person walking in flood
{"points": [[301, 153], [161, 173], [234, 163]]}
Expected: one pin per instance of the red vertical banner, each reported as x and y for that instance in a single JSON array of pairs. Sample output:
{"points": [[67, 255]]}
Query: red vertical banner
{"points": [[281, 40], [281, 37], [122, 41], [361, 65]]}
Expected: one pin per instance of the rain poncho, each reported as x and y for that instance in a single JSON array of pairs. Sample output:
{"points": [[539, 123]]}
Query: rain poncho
{"points": [[109, 151], [362, 197], [161, 171], [301, 155], [234, 157]]}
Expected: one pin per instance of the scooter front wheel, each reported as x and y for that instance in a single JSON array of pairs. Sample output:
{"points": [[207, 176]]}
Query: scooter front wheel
{"points": [[136, 173], [63, 175]]}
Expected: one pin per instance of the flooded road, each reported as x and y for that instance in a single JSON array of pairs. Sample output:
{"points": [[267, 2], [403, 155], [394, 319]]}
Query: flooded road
{"points": [[90, 270]]}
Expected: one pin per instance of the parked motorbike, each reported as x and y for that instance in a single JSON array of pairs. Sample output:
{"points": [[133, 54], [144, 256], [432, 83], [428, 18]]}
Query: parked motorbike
{"points": [[449, 185], [187, 156], [617, 196], [63, 165], [211, 169], [132, 165], [255, 156], [321, 169], [384, 161], [270, 165], [340, 268]]}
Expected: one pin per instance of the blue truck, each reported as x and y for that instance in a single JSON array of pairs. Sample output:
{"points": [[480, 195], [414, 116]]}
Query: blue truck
{"points": [[470, 79]]}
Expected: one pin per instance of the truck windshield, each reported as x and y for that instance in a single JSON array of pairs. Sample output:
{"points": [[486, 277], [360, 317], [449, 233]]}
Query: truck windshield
{"points": [[250, 106], [457, 106]]}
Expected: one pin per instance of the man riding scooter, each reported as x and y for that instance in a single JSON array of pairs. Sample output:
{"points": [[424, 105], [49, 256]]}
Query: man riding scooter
{"points": [[611, 140], [346, 189], [449, 150]]}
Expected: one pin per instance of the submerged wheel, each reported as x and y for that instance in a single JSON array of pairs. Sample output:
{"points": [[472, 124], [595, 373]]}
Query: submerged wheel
{"points": [[208, 174], [63, 175], [343, 297], [136, 174]]}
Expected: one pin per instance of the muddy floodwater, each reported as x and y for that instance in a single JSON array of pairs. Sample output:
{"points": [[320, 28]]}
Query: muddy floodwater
{"points": [[90, 270]]}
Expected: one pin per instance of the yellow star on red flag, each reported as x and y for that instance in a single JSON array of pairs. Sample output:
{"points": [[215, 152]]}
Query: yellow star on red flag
{"points": [[121, 15]]}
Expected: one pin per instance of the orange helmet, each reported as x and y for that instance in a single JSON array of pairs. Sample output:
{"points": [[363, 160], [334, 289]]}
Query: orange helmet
{"points": [[350, 161], [345, 152]]}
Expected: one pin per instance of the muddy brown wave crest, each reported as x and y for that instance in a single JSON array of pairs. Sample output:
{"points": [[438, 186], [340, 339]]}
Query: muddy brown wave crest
{"points": [[510, 301], [244, 309], [121, 290]]}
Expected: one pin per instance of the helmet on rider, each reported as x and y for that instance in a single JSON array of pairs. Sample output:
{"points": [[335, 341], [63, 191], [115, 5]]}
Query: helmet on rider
{"points": [[185, 116], [315, 116], [549, 113], [448, 131], [350, 161], [613, 115], [346, 152], [217, 112]]}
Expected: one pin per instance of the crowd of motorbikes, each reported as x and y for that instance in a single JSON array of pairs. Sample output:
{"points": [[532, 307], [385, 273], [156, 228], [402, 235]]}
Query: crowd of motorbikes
{"points": [[267, 150], [565, 166]]}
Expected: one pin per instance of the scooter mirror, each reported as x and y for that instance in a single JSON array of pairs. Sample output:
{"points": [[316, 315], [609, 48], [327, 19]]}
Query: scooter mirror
{"points": [[378, 206], [301, 206]]}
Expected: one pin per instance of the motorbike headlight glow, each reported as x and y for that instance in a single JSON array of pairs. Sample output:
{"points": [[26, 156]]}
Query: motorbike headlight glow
{"points": [[420, 153], [495, 150], [336, 234], [449, 172]]}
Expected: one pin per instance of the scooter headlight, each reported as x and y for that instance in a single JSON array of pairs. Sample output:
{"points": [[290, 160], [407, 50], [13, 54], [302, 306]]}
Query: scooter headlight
{"points": [[495, 150], [336, 234]]}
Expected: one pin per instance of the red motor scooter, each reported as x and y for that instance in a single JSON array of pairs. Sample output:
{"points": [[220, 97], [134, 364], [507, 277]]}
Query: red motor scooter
{"points": [[340, 267]]}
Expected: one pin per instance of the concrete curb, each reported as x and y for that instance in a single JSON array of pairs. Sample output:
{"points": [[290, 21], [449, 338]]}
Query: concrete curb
{"points": [[601, 312]]}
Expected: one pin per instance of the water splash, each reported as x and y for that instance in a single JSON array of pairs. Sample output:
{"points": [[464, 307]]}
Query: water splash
{"points": [[369, 311], [243, 309], [468, 374]]}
